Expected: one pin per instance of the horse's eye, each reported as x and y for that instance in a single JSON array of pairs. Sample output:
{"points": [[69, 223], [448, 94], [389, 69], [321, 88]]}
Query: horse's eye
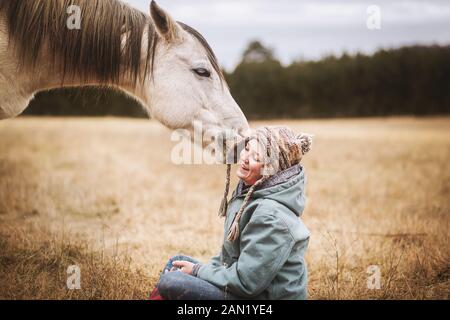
{"points": [[202, 72]]}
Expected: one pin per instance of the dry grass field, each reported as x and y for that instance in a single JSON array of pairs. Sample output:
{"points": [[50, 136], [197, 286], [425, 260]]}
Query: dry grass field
{"points": [[103, 194]]}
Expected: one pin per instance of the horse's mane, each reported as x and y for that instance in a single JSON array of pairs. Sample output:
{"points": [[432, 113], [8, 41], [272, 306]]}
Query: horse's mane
{"points": [[94, 50]]}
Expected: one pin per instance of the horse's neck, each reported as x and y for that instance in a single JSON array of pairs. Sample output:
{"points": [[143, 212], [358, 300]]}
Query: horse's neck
{"points": [[56, 79], [18, 88], [15, 88], [49, 76]]}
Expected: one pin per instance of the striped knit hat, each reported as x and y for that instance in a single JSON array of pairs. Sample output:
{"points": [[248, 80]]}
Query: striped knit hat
{"points": [[281, 149]]}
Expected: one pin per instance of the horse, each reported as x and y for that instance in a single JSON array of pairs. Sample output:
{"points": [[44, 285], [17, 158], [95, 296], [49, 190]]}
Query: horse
{"points": [[166, 65]]}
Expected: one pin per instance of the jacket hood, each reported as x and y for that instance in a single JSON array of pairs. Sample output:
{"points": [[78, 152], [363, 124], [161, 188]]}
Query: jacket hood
{"points": [[286, 187]]}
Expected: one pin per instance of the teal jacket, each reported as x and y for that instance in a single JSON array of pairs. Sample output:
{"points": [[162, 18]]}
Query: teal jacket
{"points": [[267, 260]]}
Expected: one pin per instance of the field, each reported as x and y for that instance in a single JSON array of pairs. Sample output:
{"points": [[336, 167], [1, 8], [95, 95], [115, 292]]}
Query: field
{"points": [[104, 195]]}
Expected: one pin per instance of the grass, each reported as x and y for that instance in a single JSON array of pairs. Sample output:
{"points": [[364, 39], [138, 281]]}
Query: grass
{"points": [[36, 267], [103, 194]]}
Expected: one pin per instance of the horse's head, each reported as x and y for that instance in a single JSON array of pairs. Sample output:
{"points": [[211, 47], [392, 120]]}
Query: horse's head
{"points": [[187, 85]]}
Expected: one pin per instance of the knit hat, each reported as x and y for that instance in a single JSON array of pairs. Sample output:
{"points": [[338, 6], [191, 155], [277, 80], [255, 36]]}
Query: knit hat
{"points": [[281, 149]]}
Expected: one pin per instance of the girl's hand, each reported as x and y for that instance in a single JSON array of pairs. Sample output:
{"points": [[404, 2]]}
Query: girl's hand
{"points": [[185, 266]]}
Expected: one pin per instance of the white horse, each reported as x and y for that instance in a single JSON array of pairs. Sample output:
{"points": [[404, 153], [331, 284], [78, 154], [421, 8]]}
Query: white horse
{"points": [[166, 65]]}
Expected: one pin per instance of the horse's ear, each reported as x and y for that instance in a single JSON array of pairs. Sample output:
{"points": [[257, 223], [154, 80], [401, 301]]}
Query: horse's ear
{"points": [[166, 27]]}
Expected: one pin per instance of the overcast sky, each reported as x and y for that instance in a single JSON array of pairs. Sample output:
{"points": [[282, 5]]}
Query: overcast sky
{"points": [[309, 29]]}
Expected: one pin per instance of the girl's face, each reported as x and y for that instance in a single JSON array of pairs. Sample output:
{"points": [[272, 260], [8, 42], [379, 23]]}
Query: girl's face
{"points": [[250, 164]]}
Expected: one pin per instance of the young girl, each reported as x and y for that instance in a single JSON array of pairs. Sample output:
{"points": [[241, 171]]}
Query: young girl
{"points": [[262, 255]]}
